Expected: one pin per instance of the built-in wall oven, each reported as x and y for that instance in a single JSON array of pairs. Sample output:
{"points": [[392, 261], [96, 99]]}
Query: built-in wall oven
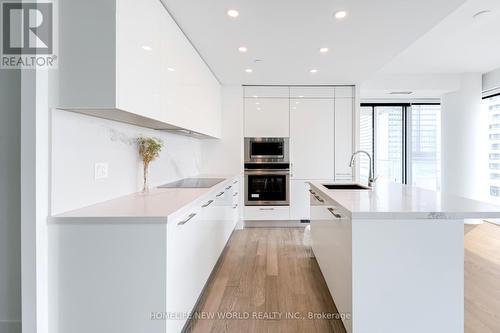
{"points": [[267, 172]]}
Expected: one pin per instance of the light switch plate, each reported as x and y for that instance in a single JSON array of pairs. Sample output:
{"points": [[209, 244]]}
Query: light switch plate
{"points": [[101, 170]]}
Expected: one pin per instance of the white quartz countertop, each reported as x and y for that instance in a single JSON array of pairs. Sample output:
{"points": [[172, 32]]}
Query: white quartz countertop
{"points": [[388, 200], [157, 203]]}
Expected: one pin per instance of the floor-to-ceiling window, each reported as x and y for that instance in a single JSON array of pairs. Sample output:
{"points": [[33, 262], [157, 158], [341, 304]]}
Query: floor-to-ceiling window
{"points": [[405, 140], [425, 153], [388, 137], [493, 105]]}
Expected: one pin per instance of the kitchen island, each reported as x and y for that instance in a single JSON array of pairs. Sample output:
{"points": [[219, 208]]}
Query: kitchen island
{"points": [[393, 256], [138, 263]]}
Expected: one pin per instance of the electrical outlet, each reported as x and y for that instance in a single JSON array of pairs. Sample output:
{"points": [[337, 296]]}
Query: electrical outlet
{"points": [[101, 170]]}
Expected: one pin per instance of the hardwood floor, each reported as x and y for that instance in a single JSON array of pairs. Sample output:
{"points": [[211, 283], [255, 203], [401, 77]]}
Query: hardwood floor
{"points": [[269, 270], [482, 278]]}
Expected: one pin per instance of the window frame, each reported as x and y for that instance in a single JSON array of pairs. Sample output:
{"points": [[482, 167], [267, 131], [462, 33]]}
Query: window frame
{"points": [[406, 123]]}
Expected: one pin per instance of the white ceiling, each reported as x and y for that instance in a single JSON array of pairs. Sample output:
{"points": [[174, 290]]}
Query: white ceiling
{"points": [[459, 44], [287, 35]]}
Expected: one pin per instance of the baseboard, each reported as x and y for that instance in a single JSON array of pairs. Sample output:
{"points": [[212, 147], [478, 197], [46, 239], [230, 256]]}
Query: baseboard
{"points": [[10, 326], [473, 221], [275, 224], [494, 221]]}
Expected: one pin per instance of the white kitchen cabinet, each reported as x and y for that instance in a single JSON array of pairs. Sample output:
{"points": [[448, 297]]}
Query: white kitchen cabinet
{"points": [[344, 92], [266, 92], [299, 200], [312, 92], [331, 237], [186, 243], [267, 117], [146, 72], [133, 266], [267, 213], [312, 140], [344, 113]]}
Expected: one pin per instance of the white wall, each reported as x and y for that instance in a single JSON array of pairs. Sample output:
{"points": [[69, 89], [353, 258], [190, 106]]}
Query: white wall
{"points": [[225, 156], [465, 140], [79, 141], [10, 224]]}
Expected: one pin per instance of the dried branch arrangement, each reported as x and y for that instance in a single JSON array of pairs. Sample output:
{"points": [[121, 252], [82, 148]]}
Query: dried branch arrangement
{"points": [[149, 150]]}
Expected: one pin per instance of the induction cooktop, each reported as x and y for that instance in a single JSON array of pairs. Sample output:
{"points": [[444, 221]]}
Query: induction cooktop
{"points": [[193, 183]]}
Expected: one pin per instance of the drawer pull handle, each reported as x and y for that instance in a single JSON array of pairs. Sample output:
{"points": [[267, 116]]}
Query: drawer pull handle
{"points": [[235, 182], [312, 192], [208, 203], [227, 188], [266, 208], [319, 198], [221, 193], [331, 210], [235, 194], [235, 206], [187, 220]]}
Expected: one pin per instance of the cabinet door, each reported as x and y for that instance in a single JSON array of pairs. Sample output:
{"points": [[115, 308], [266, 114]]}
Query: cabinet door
{"points": [[312, 92], [344, 108], [138, 56], [312, 138], [299, 200], [185, 280], [344, 92], [331, 237], [263, 92], [267, 117]]}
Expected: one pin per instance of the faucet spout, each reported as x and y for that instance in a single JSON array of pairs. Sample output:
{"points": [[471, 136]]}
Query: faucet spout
{"points": [[371, 179]]}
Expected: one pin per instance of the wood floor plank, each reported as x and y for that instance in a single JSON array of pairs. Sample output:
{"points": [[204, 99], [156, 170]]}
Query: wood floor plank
{"points": [[482, 278], [268, 275]]}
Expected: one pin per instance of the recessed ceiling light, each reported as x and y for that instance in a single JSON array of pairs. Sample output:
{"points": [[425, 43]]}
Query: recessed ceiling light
{"points": [[255, 96], [170, 69], [249, 70], [323, 50], [257, 103], [259, 109], [147, 48], [233, 13], [340, 14], [297, 102], [481, 14], [313, 71], [242, 49], [301, 96]]}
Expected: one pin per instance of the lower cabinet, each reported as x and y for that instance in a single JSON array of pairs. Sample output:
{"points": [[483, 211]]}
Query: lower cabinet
{"points": [[195, 241], [331, 237]]}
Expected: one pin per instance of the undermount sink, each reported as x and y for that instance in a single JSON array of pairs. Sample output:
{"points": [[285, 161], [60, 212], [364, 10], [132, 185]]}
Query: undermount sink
{"points": [[346, 187]]}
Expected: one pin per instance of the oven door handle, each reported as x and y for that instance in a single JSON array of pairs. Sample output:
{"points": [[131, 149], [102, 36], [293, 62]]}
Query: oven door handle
{"points": [[267, 171]]}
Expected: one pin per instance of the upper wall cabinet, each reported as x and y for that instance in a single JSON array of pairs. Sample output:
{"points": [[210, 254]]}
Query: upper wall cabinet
{"points": [[267, 92], [312, 92], [344, 92], [130, 62], [267, 117]]}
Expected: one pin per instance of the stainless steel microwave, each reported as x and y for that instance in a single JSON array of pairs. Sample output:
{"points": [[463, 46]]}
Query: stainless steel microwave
{"points": [[266, 150]]}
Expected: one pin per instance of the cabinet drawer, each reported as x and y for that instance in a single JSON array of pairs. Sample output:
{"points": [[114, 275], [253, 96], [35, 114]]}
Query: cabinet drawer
{"points": [[264, 213]]}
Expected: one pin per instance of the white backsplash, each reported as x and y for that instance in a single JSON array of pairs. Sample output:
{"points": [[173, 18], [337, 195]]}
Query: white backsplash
{"points": [[78, 142]]}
